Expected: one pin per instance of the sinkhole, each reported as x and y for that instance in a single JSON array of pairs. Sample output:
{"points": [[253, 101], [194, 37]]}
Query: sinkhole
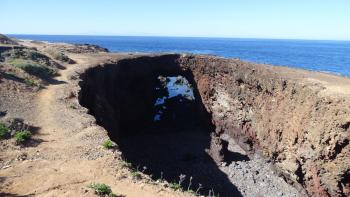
{"points": [[152, 109]]}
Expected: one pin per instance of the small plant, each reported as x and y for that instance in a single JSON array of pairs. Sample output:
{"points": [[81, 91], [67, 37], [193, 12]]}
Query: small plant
{"points": [[101, 189], [4, 131], [199, 188], [144, 169], [136, 175], [108, 144], [189, 186], [211, 193], [30, 82], [182, 178], [178, 185], [192, 192], [161, 176], [175, 186], [22, 136]]}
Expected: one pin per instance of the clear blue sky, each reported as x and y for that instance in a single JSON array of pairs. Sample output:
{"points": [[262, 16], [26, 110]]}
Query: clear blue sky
{"points": [[297, 19]]}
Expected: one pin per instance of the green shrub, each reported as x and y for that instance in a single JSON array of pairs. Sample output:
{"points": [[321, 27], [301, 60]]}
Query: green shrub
{"points": [[136, 175], [4, 131], [37, 70], [30, 82], [22, 136], [62, 57], [33, 68], [175, 186], [108, 144], [101, 188]]}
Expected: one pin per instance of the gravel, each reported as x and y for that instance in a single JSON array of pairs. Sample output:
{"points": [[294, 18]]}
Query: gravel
{"points": [[256, 176]]}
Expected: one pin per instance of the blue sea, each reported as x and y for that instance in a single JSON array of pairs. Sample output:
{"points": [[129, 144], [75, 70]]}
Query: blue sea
{"points": [[324, 56]]}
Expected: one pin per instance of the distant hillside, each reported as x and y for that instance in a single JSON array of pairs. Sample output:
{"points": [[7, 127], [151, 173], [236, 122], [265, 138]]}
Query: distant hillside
{"points": [[6, 40]]}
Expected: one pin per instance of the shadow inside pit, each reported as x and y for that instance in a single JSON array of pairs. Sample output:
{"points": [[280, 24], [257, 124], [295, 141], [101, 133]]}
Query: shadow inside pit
{"points": [[180, 143], [234, 156], [231, 156], [169, 154]]}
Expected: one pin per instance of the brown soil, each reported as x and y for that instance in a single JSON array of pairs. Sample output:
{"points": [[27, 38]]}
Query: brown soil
{"points": [[68, 156]]}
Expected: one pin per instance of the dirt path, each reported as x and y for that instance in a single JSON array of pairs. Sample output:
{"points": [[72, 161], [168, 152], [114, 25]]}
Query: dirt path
{"points": [[69, 155]]}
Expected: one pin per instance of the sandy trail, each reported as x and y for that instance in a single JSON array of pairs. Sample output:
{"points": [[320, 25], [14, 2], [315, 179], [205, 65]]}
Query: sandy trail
{"points": [[69, 156]]}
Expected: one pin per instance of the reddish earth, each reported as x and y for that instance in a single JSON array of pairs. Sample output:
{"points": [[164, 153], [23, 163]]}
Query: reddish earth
{"points": [[299, 119]]}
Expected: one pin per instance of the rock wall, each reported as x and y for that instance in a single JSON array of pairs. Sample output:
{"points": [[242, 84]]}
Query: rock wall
{"points": [[291, 121], [305, 132]]}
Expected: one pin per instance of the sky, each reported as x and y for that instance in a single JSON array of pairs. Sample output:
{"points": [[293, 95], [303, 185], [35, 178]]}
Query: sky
{"points": [[280, 19]]}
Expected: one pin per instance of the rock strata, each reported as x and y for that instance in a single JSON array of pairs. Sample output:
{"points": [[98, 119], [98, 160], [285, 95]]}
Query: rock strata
{"points": [[296, 122]]}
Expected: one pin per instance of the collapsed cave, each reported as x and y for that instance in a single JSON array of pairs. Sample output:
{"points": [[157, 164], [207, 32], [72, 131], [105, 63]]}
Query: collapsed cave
{"points": [[152, 109], [264, 109]]}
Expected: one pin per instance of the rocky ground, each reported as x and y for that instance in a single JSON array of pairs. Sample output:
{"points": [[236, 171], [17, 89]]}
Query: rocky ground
{"points": [[65, 153], [255, 175]]}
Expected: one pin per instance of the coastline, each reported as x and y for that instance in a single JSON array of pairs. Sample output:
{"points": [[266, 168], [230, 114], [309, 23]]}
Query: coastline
{"points": [[261, 102], [305, 54]]}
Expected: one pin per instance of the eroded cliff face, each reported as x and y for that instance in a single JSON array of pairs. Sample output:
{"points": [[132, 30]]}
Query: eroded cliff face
{"points": [[303, 130], [295, 123]]}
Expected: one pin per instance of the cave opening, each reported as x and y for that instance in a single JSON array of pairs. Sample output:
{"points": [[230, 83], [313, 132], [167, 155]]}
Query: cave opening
{"points": [[152, 109], [175, 106]]}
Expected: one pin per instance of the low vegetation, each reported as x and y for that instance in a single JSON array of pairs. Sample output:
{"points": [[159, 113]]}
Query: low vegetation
{"points": [[136, 175], [33, 68], [5, 40], [60, 56], [175, 186], [102, 189], [22, 136], [4, 131], [108, 144], [30, 82]]}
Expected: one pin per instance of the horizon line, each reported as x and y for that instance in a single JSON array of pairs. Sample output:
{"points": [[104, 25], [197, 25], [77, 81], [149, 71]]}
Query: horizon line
{"points": [[174, 36]]}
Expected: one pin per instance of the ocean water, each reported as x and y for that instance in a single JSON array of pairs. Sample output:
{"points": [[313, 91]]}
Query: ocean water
{"points": [[175, 86], [324, 56]]}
